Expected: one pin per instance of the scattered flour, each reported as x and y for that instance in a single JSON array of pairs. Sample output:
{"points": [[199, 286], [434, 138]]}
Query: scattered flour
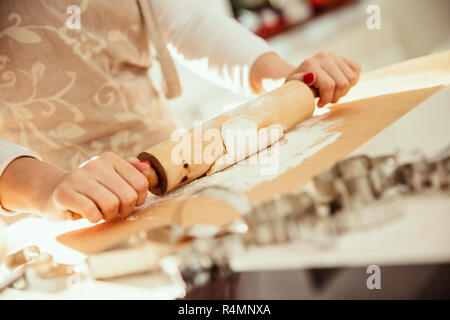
{"points": [[131, 218], [302, 142], [242, 139]]}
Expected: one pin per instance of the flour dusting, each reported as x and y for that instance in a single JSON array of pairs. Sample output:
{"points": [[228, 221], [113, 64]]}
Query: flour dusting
{"points": [[302, 142]]}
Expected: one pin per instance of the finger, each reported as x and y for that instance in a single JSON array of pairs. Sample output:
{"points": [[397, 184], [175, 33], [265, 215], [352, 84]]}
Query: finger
{"points": [[77, 202], [347, 71], [135, 177], [340, 80], [309, 78], [142, 165], [120, 187], [325, 84], [104, 199], [354, 66]]}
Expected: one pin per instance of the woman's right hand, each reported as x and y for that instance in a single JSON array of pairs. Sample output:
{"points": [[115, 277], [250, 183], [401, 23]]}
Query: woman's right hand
{"points": [[105, 187]]}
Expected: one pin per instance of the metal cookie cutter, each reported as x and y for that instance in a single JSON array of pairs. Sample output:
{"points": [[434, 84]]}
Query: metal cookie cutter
{"points": [[283, 219], [344, 193], [355, 187], [207, 259], [326, 195], [440, 170], [32, 270], [413, 171], [382, 173], [349, 185]]}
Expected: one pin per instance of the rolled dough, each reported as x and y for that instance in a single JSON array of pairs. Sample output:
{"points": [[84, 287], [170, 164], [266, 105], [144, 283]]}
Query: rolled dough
{"points": [[242, 139]]}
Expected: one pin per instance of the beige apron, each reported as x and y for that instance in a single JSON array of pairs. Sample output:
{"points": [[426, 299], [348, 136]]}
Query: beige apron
{"points": [[69, 95]]}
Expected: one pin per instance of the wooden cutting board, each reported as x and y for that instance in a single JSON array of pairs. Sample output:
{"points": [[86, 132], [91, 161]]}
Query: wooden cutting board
{"points": [[380, 98]]}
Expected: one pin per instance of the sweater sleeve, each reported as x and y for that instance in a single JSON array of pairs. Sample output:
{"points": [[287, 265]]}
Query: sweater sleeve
{"points": [[208, 42], [8, 153]]}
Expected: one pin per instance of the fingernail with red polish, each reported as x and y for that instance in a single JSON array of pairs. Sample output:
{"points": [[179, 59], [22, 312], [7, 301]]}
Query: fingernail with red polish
{"points": [[146, 161], [308, 78]]}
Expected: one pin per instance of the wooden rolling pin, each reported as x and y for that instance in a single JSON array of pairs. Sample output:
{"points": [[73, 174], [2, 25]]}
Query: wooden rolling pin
{"points": [[287, 106]]}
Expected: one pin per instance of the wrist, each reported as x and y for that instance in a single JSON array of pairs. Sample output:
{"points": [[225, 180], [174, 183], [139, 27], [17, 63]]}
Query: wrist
{"points": [[269, 66], [27, 184]]}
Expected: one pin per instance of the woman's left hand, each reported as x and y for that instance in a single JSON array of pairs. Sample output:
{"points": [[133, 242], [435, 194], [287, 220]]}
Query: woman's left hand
{"points": [[329, 73]]}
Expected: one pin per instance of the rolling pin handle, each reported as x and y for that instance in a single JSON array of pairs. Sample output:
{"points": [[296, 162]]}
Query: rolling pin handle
{"points": [[151, 176]]}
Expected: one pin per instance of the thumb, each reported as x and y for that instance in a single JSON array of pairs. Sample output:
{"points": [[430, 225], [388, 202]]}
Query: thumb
{"points": [[309, 78]]}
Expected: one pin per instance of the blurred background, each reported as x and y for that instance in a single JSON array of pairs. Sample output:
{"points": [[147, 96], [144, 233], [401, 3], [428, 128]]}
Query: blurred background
{"points": [[298, 29]]}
